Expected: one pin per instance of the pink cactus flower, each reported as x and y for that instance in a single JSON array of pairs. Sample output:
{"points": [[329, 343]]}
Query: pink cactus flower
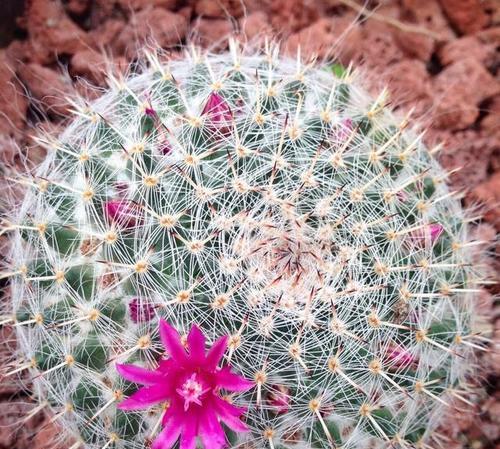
{"points": [[190, 381], [218, 113], [141, 311], [123, 213], [279, 399]]}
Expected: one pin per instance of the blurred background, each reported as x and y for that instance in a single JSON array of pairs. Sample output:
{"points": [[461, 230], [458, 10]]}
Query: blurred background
{"points": [[439, 57]]}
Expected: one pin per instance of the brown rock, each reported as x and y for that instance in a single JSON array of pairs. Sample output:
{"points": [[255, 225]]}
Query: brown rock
{"points": [[467, 16], [410, 84], [49, 435], [426, 14], [321, 40], [255, 25], [48, 87], [9, 385], [488, 193], [93, 65], [489, 124], [105, 36], [13, 101], [77, 7], [219, 8], [100, 12], [213, 32], [51, 32], [459, 89], [471, 46], [157, 25], [379, 48], [137, 5], [468, 150], [290, 16]]}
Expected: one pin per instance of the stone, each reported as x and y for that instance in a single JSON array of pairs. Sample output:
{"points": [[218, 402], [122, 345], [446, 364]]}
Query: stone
{"points": [[379, 48], [137, 5], [219, 8], [425, 14], [48, 87], [213, 33], [157, 25], [105, 35], [93, 65], [458, 90], [255, 26], [319, 39], [13, 101], [51, 32], [467, 16], [454, 51], [290, 16], [488, 194], [77, 7], [410, 84]]}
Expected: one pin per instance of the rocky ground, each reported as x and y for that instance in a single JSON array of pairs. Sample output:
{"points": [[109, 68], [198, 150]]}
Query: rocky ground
{"points": [[441, 57]]}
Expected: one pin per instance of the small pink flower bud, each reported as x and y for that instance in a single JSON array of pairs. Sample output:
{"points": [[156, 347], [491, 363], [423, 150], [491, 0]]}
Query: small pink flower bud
{"points": [[140, 311], [399, 357], [429, 233], [150, 112], [165, 148], [218, 113], [279, 398], [123, 213], [344, 130]]}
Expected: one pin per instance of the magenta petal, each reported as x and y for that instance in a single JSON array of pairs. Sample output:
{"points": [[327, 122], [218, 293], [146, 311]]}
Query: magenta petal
{"points": [[196, 343], [232, 382], [216, 352], [211, 432], [435, 231], [230, 414], [168, 436], [172, 342], [139, 375], [123, 213], [146, 396], [188, 437]]}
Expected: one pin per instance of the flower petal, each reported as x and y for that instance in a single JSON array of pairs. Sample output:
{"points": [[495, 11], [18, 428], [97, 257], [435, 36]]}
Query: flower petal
{"points": [[172, 342], [196, 342], [211, 432], [232, 382], [230, 414], [190, 431], [146, 396], [216, 352], [168, 436], [139, 374]]}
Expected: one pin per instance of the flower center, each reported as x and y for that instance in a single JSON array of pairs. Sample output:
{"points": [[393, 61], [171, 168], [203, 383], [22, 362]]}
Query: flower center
{"points": [[191, 391]]}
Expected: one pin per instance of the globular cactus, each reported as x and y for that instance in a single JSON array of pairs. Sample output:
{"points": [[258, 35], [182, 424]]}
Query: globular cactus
{"points": [[254, 197]]}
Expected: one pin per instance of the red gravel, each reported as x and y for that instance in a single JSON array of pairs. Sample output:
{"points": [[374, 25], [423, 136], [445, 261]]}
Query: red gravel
{"points": [[451, 75]]}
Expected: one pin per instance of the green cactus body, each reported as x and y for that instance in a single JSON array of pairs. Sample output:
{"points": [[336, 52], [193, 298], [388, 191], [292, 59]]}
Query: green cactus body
{"points": [[299, 218]]}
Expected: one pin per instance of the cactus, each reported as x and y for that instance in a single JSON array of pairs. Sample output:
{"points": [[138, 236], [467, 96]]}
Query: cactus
{"points": [[262, 199]]}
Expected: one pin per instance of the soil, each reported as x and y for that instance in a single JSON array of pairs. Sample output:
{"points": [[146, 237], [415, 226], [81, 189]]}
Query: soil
{"points": [[440, 57]]}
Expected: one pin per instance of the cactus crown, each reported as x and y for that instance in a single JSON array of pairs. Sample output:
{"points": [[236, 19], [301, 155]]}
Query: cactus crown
{"points": [[264, 199]]}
